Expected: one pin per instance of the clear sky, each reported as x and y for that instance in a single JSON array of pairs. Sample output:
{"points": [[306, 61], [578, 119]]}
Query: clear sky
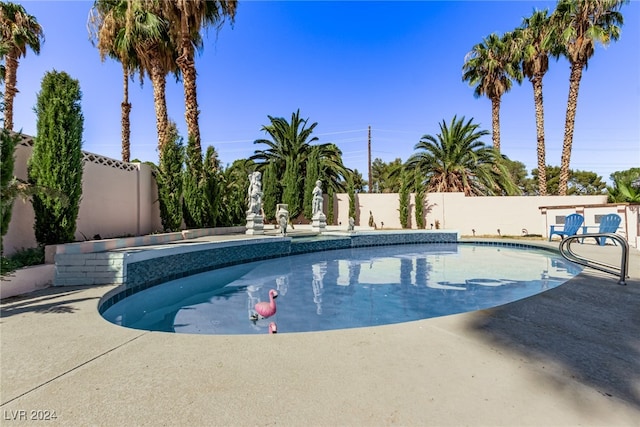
{"points": [[394, 66]]}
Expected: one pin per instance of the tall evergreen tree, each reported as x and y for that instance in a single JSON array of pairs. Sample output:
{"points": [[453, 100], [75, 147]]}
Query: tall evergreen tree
{"points": [[236, 185], [292, 188], [352, 196], [420, 199], [8, 144], [194, 204], [169, 180], [271, 191], [56, 162], [330, 202], [211, 189], [313, 174], [405, 199]]}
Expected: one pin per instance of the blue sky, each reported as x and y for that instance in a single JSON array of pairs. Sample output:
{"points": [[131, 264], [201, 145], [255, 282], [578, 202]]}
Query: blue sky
{"points": [[394, 66]]}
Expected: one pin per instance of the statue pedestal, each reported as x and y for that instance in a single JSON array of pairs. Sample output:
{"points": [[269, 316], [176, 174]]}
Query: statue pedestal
{"points": [[255, 224], [319, 222]]}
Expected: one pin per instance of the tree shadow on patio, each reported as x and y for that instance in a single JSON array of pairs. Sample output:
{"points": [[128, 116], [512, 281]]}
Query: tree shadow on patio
{"points": [[590, 327], [50, 300]]}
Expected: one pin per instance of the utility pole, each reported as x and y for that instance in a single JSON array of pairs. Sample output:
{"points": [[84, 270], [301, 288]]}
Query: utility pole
{"points": [[370, 177]]}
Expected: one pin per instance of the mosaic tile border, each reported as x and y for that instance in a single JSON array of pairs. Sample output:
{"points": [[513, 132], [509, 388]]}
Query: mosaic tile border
{"points": [[151, 269]]}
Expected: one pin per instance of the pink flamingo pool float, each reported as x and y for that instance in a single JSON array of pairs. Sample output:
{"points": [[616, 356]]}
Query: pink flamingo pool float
{"points": [[266, 309]]}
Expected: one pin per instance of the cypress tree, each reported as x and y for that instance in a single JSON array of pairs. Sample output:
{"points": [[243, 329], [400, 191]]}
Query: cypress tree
{"points": [[404, 199], [56, 162], [211, 188], [169, 180], [291, 191], [351, 191], [8, 144], [271, 191], [330, 216], [194, 203], [236, 187], [420, 201], [312, 175]]}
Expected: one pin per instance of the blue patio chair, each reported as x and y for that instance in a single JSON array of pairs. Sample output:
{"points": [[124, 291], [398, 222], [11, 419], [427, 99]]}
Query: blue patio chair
{"points": [[608, 224], [571, 226]]}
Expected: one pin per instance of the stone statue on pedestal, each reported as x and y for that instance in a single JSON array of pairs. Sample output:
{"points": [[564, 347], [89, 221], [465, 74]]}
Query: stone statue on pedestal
{"points": [[255, 220]]}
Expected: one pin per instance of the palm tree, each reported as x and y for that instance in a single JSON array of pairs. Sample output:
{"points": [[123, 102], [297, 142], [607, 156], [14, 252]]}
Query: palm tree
{"points": [[580, 25], [455, 160], [491, 66], [536, 40], [156, 54], [3, 51], [386, 176], [19, 31], [187, 18], [289, 149], [288, 139], [333, 173], [133, 33], [109, 32]]}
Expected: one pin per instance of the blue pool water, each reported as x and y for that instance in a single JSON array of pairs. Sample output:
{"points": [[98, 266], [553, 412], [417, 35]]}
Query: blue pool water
{"points": [[345, 288]]}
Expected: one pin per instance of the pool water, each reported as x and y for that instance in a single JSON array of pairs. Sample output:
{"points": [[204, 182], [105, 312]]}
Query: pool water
{"points": [[345, 288]]}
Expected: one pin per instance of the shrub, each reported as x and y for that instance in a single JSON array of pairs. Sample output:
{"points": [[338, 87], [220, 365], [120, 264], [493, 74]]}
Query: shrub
{"points": [[22, 258]]}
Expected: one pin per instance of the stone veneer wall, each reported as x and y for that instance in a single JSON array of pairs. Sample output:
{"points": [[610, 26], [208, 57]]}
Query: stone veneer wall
{"points": [[142, 270]]}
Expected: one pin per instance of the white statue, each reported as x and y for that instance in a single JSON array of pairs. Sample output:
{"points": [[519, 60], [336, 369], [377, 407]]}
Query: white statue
{"points": [[352, 223], [283, 218], [255, 193], [317, 199]]}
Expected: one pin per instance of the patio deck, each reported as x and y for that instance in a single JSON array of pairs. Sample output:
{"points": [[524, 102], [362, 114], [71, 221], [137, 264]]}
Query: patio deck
{"points": [[569, 356]]}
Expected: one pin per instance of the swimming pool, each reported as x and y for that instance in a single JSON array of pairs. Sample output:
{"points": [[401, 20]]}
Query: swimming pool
{"points": [[345, 288]]}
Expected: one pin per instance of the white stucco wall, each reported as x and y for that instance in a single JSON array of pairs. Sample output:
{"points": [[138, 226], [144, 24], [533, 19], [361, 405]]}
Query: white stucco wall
{"points": [[118, 199], [486, 215]]}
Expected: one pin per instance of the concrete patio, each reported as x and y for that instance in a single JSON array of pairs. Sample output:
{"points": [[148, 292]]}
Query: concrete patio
{"points": [[570, 356]]}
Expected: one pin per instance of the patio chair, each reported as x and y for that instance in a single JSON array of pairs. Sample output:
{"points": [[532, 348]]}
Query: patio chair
{"points": [[571, 226], [608, 224]]}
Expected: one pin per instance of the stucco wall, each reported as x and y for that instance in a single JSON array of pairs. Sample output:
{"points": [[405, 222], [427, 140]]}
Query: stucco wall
{"points": [[486, 215], [118, 199]]}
